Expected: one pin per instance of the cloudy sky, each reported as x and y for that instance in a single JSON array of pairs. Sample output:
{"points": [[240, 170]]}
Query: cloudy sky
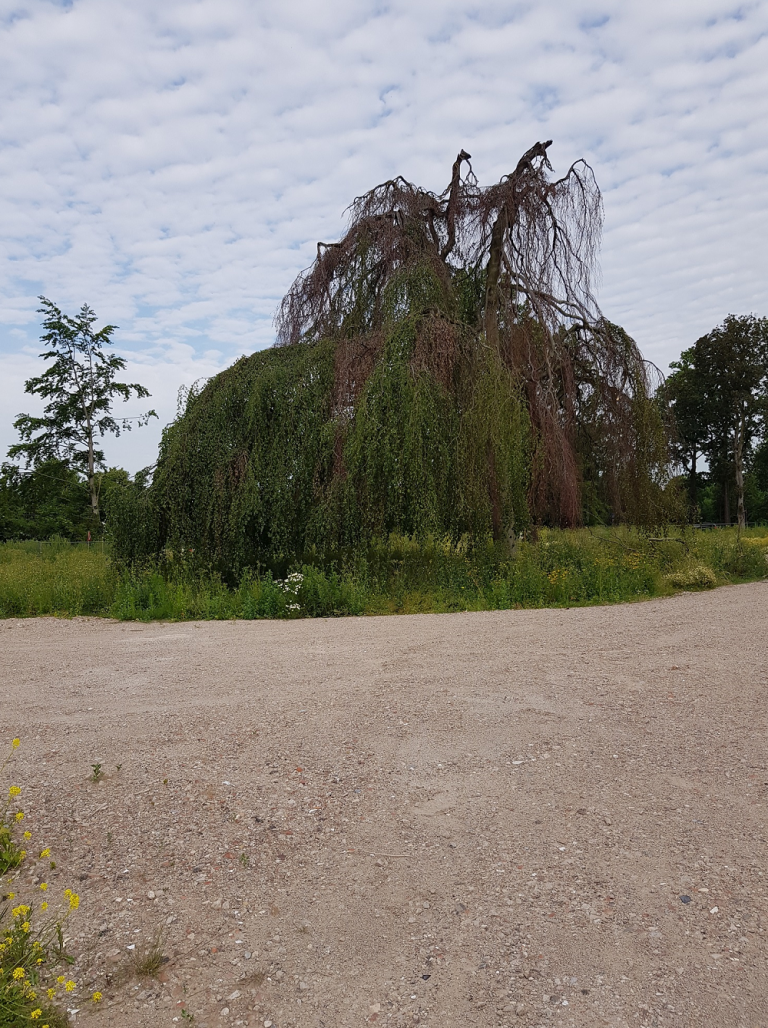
{"points": [[174, 164]]}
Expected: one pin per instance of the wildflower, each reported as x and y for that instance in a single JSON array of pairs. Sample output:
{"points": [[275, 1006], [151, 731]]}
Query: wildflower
{"points": [[51, 993], [61, 979], [96, 997], [14, 790], [20, 911], [35, 1014], [43, 886], [43, 906], [19, 973], [45, 853], [19, 815], [27, 835], [16, 743], [9, 895], [69, 986], [25, 926]]}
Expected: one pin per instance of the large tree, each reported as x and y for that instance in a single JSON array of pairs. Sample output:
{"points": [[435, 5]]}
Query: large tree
{"points": [[719, 394], [80, 388], [443, 368]]}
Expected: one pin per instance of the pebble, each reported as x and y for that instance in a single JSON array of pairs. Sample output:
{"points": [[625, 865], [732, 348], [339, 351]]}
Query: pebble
{"points": [[224, 1012]]}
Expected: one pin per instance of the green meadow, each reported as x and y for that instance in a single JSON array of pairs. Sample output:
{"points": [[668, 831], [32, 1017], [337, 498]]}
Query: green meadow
{"points": [[398, 576]]}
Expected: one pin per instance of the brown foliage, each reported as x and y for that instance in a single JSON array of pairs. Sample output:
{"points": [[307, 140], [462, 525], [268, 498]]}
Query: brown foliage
{"points": [[510, 266]]}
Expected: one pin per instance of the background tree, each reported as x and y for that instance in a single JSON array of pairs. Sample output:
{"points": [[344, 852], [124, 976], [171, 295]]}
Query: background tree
{"points": [[50, 499], [79, 385], [719, 395]]}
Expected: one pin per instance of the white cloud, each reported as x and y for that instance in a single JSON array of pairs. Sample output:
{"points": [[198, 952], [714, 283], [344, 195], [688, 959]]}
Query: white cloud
{"points": [[174, 165]]}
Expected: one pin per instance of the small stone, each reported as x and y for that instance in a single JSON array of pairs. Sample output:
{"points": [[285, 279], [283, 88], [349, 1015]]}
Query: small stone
{"points": [[224, 1012], [267, 1024], [234, 995], [685, 899], [520, 1009], [374, 1008], [303, 985], [150, 895]]}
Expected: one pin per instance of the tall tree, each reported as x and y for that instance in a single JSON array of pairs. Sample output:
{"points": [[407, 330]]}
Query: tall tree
{"points": [[79, 385], [719, 393]]}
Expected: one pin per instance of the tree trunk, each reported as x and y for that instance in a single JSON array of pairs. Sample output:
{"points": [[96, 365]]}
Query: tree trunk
{"points": [[692, 490], [738, 458], [92, 488], [493, 271], [726, 503]]}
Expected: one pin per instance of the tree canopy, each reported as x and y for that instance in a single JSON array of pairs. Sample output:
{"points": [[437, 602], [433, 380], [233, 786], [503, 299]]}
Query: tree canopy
{"points": [[443, 368], [719, 395]]}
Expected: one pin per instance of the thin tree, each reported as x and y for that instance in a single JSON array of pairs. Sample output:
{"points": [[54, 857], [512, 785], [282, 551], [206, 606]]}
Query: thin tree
{"points": [[79, 385]]}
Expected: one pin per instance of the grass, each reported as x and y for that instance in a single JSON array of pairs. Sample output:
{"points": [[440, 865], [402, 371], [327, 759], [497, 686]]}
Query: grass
{"points": [[148, 961], [561, 569]]}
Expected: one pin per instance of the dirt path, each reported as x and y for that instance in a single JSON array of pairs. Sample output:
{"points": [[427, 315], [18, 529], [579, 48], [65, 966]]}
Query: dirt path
{"points": [[524, 818]]}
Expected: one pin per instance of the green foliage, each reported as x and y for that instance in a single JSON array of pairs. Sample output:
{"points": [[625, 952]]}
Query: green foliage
{"points": [[50, 500], [267, 463], [719, 396], [80, 388], [395, 575]]}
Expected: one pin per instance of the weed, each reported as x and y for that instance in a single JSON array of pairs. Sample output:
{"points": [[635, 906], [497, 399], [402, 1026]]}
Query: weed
{"points": [[31, 934], [97, 774], [146, 962], [245, 860]]}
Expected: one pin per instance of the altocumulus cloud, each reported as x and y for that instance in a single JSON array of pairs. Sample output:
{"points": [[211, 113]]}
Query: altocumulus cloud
{"points": [[175, 164]]}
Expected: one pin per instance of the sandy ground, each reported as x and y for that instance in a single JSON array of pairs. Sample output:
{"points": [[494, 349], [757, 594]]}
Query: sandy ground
{"points": [[524, 818]]}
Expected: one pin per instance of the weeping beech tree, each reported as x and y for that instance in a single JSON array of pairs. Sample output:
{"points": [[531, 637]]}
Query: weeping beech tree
{"points": [[444, 368]]}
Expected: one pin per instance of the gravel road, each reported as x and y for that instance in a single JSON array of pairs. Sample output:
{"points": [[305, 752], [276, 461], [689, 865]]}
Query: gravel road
{"points": [[522, 818]]}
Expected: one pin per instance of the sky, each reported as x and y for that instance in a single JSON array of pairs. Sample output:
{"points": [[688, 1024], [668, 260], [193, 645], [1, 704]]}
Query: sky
{"points": [[173, 165]]}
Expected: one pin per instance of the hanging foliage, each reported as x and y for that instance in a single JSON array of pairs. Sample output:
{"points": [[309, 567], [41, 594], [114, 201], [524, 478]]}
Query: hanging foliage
{"points": [[443, 369]]}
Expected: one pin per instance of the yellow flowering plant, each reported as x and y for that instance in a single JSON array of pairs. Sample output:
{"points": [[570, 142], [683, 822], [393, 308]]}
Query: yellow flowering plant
{"points": [[31, 937]]}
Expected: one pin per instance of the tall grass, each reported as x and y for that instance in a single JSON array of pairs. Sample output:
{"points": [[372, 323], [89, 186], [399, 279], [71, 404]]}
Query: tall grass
{"points": [[562, 568]]}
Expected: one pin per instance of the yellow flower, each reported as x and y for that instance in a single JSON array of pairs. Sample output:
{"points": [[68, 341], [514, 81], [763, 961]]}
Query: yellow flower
{"points": [[35, 1014], [43, 886], [27, 835], [19, 973], [61, 979], [74, 901], [45, 853], [51, 993], [43, 906], [20, 911], [14, 790], [16, 743], [26, 926], [96, 997], [20, 815], [67, 893], [70, 985], [10, 895]]}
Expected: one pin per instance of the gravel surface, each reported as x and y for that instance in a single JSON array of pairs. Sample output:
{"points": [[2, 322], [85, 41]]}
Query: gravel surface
{"points": [[522, 818]]}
